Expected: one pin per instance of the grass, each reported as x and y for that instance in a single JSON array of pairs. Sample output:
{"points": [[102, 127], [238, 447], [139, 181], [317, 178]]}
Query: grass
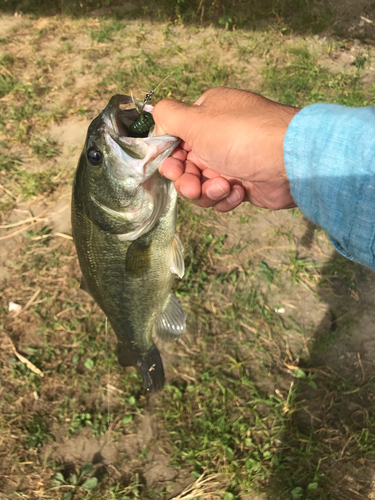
{"points": [[36, 432], [287, 14], [222, 422], [228, 427], [303, 80], [44, 148], [254, 396], [106, 32], [183, 81]]}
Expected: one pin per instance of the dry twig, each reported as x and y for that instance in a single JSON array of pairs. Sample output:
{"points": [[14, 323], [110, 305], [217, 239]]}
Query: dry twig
{"points": [[209, 488], [24, 360], [22, 222], [51, 235], [29, 303], [7, 191]]}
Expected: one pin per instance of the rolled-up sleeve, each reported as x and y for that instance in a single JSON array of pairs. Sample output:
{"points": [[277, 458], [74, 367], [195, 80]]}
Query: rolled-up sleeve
{"points": [[329, 153]]}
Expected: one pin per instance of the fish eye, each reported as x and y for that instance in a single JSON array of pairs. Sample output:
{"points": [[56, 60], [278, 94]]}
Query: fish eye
{"points": [[94, 156]]}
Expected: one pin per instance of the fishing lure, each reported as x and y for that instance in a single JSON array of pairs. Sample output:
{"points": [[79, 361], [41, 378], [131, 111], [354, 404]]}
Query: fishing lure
{"points": [[145, 122]]}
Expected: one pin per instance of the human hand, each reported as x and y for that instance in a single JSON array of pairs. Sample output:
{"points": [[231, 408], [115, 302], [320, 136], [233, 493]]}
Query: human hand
{"points": [[231, 150]]}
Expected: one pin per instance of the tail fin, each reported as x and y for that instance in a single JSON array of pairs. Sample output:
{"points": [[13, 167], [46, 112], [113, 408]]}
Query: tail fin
{"points": [[150, 365]]}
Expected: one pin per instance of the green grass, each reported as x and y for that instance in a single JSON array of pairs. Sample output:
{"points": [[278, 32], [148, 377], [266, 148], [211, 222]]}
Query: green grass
{"points": [[106, 31], [7, 84], [44, 148], [37, 432], [185, 80], [223, 424], [303, 81], [30, 184]]}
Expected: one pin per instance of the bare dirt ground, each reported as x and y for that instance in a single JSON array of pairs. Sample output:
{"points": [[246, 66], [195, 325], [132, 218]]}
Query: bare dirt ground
{"points": [[269, 302]]}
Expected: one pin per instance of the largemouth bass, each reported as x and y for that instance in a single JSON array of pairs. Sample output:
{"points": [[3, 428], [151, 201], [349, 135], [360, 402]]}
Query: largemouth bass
{"points": [[124, 223]]}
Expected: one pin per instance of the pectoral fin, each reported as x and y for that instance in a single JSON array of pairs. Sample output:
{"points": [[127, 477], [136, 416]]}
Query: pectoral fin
{"points": [[138, 259], [171, 324], [176, 258]]}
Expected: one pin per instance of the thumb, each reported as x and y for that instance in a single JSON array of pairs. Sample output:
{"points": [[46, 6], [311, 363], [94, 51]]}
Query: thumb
{"points": [[175, 118]]}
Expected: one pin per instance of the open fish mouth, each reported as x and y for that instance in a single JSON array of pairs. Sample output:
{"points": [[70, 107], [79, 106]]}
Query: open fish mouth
{"points": [[122, 110], [143, 154]]}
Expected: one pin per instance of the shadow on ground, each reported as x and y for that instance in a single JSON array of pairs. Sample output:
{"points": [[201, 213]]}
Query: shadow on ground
{"points": [[333, 426], [345, 19]]}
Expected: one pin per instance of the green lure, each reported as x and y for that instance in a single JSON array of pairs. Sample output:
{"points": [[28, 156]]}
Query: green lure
{"points": [[145, 122], [142, 126]]}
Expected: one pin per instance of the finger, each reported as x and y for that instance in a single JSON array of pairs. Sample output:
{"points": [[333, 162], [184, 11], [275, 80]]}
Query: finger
{"points": [[192, 157], [213, 190], [207, 173], [189, 186], [184, 145], [179, 153], [174, 118], [234, 199], [172, 168], [190, 168]]}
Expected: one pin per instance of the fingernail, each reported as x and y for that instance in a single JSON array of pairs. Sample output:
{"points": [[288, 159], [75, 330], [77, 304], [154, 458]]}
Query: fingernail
{"points": [[215, 191], [234, 196]]}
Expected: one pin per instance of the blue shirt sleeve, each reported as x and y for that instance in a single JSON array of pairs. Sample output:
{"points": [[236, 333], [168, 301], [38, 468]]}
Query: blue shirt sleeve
{"points": [[329, 154]]}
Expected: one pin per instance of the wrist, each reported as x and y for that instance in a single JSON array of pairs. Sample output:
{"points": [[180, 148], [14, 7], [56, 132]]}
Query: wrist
{"points": [[284, 116]]}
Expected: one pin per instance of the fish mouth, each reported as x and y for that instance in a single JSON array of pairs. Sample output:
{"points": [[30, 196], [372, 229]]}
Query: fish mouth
{"points": [[142, 154], [123, 113]]}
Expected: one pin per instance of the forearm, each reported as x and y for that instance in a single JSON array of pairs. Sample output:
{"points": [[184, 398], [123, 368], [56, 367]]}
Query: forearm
{"points": [[329, 154]]}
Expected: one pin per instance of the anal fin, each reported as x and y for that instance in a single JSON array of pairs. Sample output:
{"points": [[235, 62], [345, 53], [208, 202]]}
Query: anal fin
{"points": [[84, 286], [176, 258], [171, 324]]}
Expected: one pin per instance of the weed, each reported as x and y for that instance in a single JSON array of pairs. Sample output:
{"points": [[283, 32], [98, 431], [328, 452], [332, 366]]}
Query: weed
{"points": [[98, 423], [66, 48], [75, 481], [7, 84], [226, 20], [44, 148], [37, 432], [6, 60], [267, 273], [299, 269], [106, 31], [245, 219], [359, 62], [9, 163], [36, 183]]}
